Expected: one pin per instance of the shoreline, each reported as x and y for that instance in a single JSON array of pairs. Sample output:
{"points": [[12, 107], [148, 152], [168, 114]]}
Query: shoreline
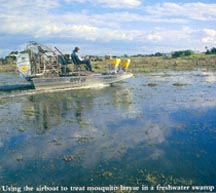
{"points": [[149, 64]]}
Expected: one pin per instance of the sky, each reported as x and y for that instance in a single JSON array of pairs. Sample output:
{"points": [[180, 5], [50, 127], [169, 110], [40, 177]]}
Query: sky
{"points": [[100, 27]]}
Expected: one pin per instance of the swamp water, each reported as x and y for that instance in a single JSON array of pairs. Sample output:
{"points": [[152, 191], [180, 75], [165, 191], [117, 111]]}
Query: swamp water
{"points": [[151, 129]]}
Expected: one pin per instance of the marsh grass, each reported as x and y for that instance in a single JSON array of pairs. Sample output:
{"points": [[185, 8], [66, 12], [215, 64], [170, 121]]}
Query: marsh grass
{"points": [[155, 64], [8, 68], [148, 64]]}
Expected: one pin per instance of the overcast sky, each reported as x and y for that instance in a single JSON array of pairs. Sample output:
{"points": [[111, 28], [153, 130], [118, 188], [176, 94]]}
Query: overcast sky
{"points": [[102, 27]]}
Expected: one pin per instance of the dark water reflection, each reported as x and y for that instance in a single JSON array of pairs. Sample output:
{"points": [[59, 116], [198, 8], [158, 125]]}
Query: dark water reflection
{"points": [[152, 129]]}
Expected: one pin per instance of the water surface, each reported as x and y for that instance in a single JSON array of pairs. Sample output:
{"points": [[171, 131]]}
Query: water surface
{"points": [[152, 129]]}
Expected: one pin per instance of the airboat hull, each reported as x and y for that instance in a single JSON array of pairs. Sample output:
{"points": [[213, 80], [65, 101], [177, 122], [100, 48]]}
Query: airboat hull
{"points": [[79, 82]]}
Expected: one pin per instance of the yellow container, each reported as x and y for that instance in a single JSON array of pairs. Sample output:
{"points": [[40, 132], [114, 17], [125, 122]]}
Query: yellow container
{"points": [[125, 63], [115, 61], [24, 68]]}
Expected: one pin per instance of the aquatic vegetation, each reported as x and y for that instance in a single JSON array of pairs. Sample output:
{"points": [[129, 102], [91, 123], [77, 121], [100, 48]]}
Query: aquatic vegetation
{"points": [[152, 84], [84, 139], [151, 179], [69, 120], [180, 180], [56, 141], [73, 157], [19, 158], [83, 123], [160, 178], [21, 129], [69, 158], [29, 113], [179, 84], [106, 174]]}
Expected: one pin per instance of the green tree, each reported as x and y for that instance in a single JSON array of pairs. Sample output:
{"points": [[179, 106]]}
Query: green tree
{"points": [[213, 50], [210, 51], [158, 54], [182, 53]]}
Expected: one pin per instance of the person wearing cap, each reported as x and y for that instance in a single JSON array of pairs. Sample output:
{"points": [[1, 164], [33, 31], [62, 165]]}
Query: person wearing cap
{"points": [[79, 60]]}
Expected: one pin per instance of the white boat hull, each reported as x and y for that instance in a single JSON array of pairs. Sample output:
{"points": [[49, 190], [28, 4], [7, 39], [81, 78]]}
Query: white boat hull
{"points": [[78, 82]]}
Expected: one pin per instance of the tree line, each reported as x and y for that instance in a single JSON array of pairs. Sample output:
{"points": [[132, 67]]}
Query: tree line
{"points": [[182, 53], [211, 51], [11, 58]]}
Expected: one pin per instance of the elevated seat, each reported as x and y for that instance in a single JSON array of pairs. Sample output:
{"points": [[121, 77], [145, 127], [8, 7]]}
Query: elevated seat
{"points": [[77, 64]]}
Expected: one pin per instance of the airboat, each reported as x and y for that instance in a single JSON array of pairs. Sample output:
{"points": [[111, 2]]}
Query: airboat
{"points": [[47, 68]]}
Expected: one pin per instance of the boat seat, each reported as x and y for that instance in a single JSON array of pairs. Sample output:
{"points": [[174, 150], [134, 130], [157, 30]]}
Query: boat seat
{"points": [[77, 64]]}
